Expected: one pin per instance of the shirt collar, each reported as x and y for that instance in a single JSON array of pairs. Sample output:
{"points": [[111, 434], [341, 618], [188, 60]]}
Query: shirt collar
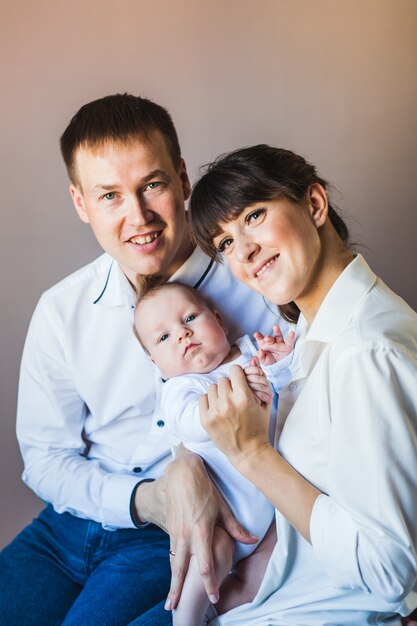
{"points": [[336, 310], [194, 270], [116, 290]]}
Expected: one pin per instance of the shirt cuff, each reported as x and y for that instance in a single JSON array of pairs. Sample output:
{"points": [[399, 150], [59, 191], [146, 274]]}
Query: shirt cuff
{"points": [[116, 494], [279, 374], [132, 508], [335, 543]]}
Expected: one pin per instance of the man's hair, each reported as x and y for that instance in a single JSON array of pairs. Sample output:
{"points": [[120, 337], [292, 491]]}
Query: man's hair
{"points": [[117, 118], [151, 286]]}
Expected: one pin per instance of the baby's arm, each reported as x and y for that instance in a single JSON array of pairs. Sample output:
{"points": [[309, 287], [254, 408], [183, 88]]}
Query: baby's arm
{"points": [[273, 348]]}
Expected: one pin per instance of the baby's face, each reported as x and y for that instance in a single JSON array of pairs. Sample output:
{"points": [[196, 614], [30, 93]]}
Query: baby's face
{"points": [[181, 334]]}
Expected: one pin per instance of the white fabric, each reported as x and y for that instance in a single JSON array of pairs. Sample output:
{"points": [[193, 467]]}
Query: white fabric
{"points": [[88, 409], [180, 406], [349, 425]]}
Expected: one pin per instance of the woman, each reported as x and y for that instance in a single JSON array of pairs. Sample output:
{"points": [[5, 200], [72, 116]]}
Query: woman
{"points": [[343, 476]]}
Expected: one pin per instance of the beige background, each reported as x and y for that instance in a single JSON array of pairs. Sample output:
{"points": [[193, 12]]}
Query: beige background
{"points": [[332, 79]]}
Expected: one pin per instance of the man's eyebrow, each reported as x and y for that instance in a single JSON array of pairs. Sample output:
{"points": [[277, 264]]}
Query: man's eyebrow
{"points": [[155, 173], [112, 186]]}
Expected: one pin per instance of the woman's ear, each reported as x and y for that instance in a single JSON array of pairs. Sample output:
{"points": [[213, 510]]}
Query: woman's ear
{"points": [[318, 204]]}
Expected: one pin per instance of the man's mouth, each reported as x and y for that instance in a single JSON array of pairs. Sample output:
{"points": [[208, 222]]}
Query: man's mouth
{"points": [[264, 267], [141, 240]]}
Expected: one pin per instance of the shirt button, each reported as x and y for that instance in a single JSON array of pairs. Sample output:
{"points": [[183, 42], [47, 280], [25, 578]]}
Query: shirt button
{"points": [[292, 386], [137, 470], [160, 423]]}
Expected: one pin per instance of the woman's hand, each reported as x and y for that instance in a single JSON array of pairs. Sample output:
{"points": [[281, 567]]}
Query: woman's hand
{"points": [[193, 508], [258, 382], [234, 419], [238, 425]]}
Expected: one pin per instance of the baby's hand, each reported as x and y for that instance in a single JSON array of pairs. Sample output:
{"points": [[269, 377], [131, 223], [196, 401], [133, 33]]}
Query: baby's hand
{"points": [[258, 382], [273, 348]]}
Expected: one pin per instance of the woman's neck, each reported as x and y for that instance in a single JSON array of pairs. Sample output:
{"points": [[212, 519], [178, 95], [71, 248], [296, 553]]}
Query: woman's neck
{"points": [[334, 259]]}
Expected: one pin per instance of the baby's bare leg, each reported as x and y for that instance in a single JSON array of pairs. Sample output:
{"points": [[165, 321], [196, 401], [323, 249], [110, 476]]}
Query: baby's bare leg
{"points": [[194, 603], [242, 586]]}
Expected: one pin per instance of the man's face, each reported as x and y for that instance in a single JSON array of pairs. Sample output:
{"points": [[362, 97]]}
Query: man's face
{"points": [[133, 196]]}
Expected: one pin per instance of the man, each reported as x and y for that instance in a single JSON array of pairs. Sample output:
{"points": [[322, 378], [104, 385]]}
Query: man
{"points": [[88, 424]]}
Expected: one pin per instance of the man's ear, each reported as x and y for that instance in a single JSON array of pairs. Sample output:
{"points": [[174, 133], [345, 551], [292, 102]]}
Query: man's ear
{"points": [[220, 320], [78, 200], [318, 204], [186, 185]]}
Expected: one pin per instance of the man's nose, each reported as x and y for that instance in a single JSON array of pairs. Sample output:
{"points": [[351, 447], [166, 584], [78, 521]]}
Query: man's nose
{"points": [[138, 214]]}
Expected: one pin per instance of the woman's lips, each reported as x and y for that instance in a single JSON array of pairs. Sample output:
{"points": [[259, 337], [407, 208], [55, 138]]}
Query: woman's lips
{"points": [[264, 266]]}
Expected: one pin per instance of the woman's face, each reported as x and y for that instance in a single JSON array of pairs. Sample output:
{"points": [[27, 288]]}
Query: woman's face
{"points": [[274, 247]]}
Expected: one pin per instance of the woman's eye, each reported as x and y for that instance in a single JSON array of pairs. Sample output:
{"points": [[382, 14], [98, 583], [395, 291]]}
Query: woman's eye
{"points": [[254, 215], [163, 337], [190, 318], [224, 244]]}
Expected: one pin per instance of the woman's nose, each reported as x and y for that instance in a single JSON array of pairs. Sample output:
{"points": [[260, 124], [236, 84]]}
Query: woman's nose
{"points": [[245, 249]]}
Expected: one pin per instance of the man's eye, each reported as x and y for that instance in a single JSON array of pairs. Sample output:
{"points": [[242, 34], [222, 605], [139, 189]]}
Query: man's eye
{"points": [[190, 318], [224, 244], [163, 337], [110, 195], [153, 185]]}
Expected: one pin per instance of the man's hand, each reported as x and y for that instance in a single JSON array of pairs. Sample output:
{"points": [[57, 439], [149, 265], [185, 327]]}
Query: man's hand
{"points": [[273, 348], [193, 508]]}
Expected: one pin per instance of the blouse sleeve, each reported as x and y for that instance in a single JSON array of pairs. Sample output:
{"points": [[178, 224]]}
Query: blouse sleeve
{"points": [[364, 530]]}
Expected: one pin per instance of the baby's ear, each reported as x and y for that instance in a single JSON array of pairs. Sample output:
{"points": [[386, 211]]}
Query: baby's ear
{"points": [[220, 320]]}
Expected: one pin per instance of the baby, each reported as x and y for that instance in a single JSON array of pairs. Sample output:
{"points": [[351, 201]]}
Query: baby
{"points": [[188, 342]]}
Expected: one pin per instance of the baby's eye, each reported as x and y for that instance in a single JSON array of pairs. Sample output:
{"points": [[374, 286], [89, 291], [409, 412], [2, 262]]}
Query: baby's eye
{"points": [[190, 318], [163, 337], [254, 215], [224, 244]]}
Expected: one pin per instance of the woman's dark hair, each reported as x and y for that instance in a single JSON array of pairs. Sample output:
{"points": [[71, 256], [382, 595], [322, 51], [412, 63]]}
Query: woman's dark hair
{"points": [[244, 177]]}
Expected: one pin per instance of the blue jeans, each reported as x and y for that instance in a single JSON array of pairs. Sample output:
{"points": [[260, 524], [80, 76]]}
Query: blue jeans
{"points": [[64, 570]]}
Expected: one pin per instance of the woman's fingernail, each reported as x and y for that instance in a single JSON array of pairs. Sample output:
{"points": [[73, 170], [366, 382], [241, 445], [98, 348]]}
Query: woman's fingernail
{"points": [[168, 605], [213, 599]]}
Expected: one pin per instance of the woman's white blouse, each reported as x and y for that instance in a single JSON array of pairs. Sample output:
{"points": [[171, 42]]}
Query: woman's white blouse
{"points": [[347, 421]]}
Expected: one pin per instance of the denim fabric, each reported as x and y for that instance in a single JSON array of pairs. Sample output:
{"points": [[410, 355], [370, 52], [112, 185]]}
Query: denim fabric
{"points": [[155, 617], [64, 570]]}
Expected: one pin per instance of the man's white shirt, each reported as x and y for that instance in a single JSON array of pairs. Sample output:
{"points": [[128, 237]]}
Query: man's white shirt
{"points": [[89, 424]]}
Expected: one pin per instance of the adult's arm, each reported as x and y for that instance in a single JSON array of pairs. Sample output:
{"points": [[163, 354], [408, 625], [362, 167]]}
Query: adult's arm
{"points": [[363, 529], [50, 423]]}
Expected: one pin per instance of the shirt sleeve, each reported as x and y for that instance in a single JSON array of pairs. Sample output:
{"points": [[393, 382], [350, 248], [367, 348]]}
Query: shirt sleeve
{"points": [[180, 406], [279, 373], [363, 531], [50, 421]]}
